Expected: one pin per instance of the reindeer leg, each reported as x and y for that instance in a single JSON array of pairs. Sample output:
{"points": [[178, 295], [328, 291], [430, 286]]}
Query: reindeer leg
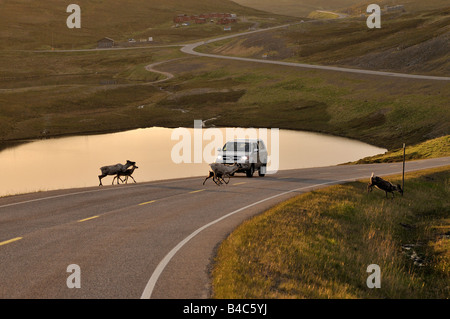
{"points": [[100, 179], [216, 179], [131, 178], [211, 174], [221, 179]]}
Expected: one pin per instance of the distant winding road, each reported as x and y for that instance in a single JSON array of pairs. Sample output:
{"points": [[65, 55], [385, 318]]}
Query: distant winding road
{"points": [[145, 240], [190, 49]]}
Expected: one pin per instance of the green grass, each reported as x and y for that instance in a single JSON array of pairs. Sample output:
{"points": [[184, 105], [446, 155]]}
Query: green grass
{"points": [[409, 43], [62, 93], [41, 25], [335, 103], [78, 92], [319, 244], [303, 8], [68, 97], [437, 147], [322, 15], [295, 7]]}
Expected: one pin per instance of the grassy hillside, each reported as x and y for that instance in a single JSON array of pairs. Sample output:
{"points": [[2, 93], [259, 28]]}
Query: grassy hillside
{"points": [[28, 24], [301, 8], [52, 94], [78, 92], [407, 42], [298, 8], [69, 93], [318, 245], [437, 147], [359, 7]]}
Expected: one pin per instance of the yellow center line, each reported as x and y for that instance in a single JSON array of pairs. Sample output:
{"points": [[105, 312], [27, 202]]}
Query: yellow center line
{"points": [[197, 191], [83, 220], [10, 241], [239, 183], [152, 201]]}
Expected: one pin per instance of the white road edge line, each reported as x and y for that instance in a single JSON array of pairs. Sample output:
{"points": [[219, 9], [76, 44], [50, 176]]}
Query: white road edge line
{"points": [[147, 293], [162, 265]]}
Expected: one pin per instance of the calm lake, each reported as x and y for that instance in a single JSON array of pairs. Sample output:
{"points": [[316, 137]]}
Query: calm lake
{"points": [[70, 162]]}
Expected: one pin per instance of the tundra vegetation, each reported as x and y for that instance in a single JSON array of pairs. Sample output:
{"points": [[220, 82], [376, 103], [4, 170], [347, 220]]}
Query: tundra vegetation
{"points": [[46, 94], [31, 25], [72, 99], [319, 244], [304, 7], [437, 147]]}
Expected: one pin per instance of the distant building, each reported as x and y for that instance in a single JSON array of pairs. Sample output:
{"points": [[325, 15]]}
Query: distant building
{"points": [[105, 43], [226, 21], [181, 18], [200, 20]]}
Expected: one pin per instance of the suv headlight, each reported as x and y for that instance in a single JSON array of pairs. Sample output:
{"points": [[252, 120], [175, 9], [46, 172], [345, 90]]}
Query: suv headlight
{"points": [[244, 158]]}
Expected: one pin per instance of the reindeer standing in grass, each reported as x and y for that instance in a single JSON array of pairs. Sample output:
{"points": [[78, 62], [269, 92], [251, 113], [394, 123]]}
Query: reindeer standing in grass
{"points": [[383, 185]]}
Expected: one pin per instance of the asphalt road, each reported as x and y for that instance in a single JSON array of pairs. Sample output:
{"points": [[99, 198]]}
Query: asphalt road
{"points": [[145, 240]]}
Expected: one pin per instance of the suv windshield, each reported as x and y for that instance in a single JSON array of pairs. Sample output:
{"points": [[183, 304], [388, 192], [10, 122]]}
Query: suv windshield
{"points": [[236, 147]]}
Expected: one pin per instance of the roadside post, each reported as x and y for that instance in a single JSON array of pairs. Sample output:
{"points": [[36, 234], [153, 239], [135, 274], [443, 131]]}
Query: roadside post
{"points": [[403, 175]]}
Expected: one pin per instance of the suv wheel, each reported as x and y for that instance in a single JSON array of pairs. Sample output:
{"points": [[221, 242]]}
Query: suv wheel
{"points": [[250, 171], [262, 169]]}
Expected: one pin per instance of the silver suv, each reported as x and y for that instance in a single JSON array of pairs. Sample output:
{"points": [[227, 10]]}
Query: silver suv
{"points": [[251, 154]]}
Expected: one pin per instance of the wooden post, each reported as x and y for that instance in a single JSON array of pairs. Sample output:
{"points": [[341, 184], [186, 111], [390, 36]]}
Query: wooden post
{"points": [[403, 178]]}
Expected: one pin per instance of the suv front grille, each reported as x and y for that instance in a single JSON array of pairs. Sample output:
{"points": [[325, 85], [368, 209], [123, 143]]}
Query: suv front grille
{"points": [[230, 159]]}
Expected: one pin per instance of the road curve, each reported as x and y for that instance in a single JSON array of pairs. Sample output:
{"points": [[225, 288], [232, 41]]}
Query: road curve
{"points": [[145, 240], [190, 49], [167, 75]]}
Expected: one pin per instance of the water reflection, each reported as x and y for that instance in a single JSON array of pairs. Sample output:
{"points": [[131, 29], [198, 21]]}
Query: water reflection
{"points": [[75, 161]]}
